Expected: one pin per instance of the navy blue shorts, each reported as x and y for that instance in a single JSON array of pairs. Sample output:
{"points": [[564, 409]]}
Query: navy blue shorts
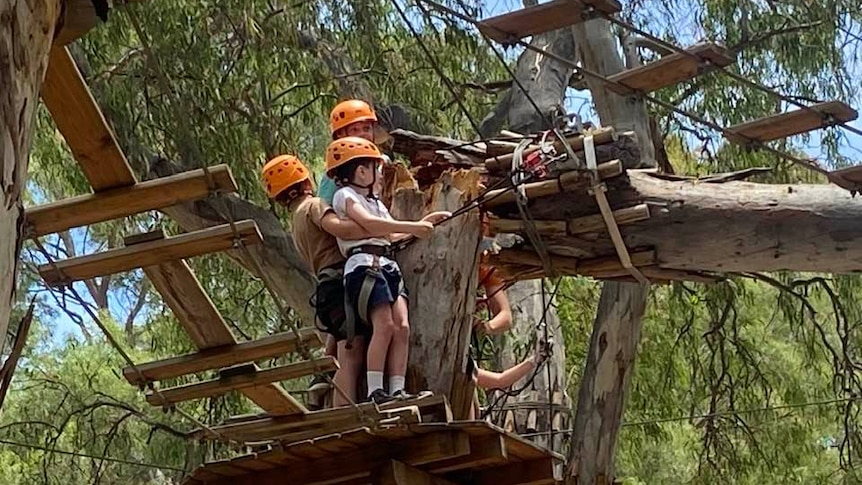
{"points": [[387, 287]]}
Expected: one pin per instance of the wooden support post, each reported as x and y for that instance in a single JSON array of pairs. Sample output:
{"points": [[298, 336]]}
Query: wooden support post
{"points": [[567, 181], [125, 201], [671, 69], [81, 122], [256, 378], [542, 17], [218, 238], [792, 123], [533, 472], [485, 451], [223, 356], [398, 473]]}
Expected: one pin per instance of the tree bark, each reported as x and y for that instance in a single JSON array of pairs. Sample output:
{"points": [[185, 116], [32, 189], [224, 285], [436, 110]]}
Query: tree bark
{"points": [[26, 31], [441, 276], [616, 329]]}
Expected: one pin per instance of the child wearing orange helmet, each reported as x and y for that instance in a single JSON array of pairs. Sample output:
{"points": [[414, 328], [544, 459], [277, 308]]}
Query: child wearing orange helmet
{"points": [[372, 278], [315, 226], [353, 117]]}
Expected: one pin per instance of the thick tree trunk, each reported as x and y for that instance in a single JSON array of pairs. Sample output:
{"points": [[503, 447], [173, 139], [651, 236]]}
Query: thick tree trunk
{"points": [[26, 31], [441, 276], [616, 329]]}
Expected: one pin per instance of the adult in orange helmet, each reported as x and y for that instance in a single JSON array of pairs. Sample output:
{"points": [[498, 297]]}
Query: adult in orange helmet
{"points": [[353, 117], [315, 226], [372, 278]]}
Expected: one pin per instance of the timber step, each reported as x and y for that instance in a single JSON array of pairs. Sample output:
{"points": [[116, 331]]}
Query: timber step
{"points": [[795, 122], [671, 69], [544, 17], [288, 429], [222, 356], [126, 201], [240, 378], [218, 238]]}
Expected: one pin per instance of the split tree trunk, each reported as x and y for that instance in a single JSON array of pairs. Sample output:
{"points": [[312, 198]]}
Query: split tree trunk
{"points": [[607, 374], [441, 275], [26, 31]]}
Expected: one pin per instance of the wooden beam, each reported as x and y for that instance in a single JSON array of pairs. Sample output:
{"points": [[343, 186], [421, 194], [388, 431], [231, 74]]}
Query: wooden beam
{"points": [[212, 239], [600, 136], [197, 314], [541, 18], [533, 472], [566, 181], [125, 201], [581, 225], [671, 69], [794, 122], [217, 387], [81, 122], [396, 472], [223, 356], [485, 450]]}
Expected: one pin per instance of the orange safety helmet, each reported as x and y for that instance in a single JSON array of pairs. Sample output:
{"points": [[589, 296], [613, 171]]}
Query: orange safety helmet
{"points": [[348, 112], [281, 173], [343, 150]]}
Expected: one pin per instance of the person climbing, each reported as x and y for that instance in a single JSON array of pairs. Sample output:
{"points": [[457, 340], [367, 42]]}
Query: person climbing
{"points": [[372, 278], [490, 380], [495, 300], [352, 117], [315, 226]]}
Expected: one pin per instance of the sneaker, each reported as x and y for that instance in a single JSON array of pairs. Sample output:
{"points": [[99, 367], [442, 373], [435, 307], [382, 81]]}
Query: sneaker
{"points": [[404, 395], [319, 383], [379, 396]]}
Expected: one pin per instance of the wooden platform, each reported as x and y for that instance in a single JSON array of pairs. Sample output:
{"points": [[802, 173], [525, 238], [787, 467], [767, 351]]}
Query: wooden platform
{"points": [[541, 18], [467, 452], [671, 69], [791, 123]]}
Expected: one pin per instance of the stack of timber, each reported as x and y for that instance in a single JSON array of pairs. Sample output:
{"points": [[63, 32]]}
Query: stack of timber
{"points": [[465, 452], [673, 227]]}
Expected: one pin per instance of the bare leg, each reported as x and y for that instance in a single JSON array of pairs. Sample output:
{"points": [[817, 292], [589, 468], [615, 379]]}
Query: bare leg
{"points": [[346, 377], [400, 346], [381, 320]]}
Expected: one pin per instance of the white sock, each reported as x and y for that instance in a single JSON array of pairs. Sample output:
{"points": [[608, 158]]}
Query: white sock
{"points": [[396, 383], [375, 381]]}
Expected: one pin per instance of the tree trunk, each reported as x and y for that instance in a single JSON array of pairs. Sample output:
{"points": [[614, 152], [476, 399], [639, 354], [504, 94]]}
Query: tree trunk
{"points": [[545, 82], [441, 276], [26, 31], [616, 329]]}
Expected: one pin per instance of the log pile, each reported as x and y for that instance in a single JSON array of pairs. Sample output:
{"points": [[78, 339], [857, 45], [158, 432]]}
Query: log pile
{"points": [[673, 227]]}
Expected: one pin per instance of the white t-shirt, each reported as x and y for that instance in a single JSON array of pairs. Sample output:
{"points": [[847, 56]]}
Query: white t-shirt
{"points": [[375, 208]]}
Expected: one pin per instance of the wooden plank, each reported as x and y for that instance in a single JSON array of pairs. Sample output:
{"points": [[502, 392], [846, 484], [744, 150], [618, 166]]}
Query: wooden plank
{"points": [[224, 356], [397, 418], [197, 314], [221, 386], [600, 136], [398, 473], [567, 181], [268, 426], [212, 239], [415, 451], [581, 225], [126, 201], [533, 472], [485, 450], [541, 18], [606, 265], [792, 123], [671, 69], [82, 124]]}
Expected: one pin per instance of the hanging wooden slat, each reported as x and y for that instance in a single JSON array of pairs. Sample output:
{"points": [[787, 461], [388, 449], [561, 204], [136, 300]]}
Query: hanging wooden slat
{"points": [[203, 323], [224, 356], [224, 385], [82, 124], [212, 239], [541, 18], [671, 69], [125, 201], [791, 123]]}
